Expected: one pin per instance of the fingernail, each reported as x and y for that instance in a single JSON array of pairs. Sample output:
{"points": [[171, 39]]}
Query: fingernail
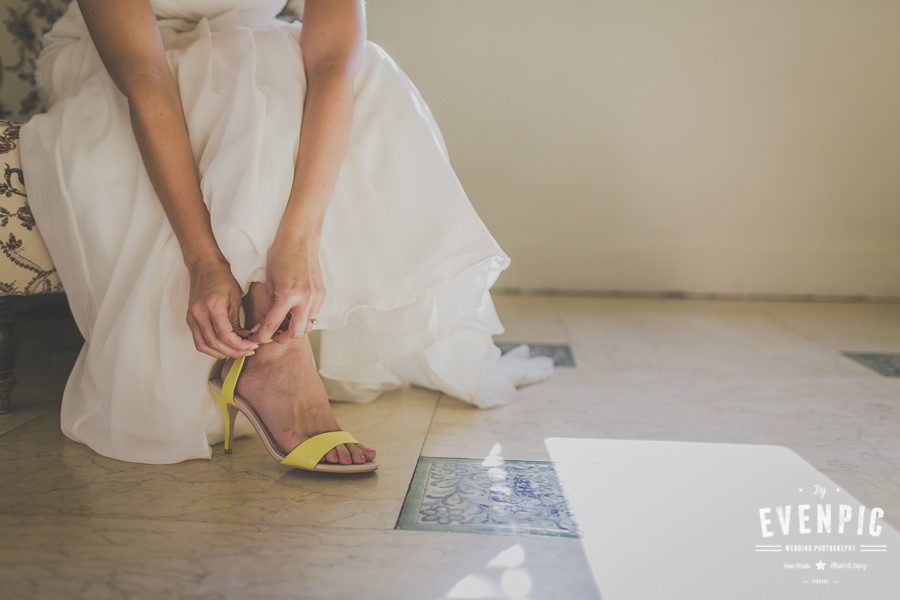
{"points": [[251, 353], [370, 449]]}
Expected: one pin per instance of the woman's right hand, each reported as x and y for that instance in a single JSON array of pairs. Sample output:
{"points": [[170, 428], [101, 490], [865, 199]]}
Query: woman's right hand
{"points": [[213, 312]]}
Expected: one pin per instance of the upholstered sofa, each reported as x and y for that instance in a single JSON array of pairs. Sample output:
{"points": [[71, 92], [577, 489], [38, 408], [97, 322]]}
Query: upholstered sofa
{"points": [[25, 265]]}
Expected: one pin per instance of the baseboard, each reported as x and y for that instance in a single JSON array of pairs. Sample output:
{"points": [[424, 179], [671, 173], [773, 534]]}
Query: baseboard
{"points": [[681, 295]]}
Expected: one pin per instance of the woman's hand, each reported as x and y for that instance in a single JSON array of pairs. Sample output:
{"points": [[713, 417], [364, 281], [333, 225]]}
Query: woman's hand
{"points": [[294, 289], [213, 312]]}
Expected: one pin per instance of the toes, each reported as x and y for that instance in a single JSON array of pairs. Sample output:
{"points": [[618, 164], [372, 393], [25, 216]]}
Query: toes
{"points": [[348, 454], [369, 452], [357, 453], [344, 454]]}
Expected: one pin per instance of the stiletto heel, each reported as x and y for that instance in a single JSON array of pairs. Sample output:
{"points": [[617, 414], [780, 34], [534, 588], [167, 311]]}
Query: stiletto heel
{"points": [[229, 426], [229, 413], [305, 456]]}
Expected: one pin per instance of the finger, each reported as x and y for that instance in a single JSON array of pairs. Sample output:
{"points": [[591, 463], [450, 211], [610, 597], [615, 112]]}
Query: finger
{"points": [[235, 321], [212, 340], [280, 334], [303, 312], [317, 305], [307, 318], [283, 334], [199, 342], [281, 337], [225, 331], [297, 323], [271, 322]]}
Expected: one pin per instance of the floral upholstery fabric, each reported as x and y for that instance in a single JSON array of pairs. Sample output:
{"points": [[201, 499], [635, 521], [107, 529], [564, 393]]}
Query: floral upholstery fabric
{"points": [[24, 23], [25, 265]]}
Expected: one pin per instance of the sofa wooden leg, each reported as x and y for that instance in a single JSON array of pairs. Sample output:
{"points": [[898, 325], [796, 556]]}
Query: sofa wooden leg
{"points": [[7, 353]]}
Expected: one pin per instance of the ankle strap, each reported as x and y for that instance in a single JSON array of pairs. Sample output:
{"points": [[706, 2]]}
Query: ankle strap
{"points": [[231, 378]]}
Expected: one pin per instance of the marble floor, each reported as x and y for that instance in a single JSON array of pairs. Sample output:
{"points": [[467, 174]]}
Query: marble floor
{"points": [[466, 503]]}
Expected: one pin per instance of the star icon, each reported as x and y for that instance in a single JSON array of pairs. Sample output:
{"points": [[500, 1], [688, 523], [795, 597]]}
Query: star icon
{"points": [[820, 566]]}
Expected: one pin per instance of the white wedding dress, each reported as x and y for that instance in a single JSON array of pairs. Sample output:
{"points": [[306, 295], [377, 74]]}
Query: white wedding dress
{"points": [[407, 263]]}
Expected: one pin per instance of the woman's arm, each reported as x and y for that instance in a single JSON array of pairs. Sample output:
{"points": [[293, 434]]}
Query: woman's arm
{"points": [[332, 42], [128, 41]]}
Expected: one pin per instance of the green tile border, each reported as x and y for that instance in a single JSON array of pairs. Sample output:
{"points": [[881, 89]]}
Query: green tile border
{"points": [[412, 504], [560, 353], [886, 364]]}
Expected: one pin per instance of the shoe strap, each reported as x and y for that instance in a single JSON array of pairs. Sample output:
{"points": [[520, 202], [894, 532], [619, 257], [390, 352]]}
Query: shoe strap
{"points": [[230, 383], [309, 452]]}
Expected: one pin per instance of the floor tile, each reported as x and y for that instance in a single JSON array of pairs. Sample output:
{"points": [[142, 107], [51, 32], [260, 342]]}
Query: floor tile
{"points": [[22, 415], [863, 327], [883, 363], [560, 353], [56, 476], [530, 318], [491, 497], [712, 344], [755, 374], [99, 558], [842, 425]]}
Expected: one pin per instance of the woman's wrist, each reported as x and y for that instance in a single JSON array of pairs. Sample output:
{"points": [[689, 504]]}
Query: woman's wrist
{"points": [[306, 235], [303, 218], [201, 261]]}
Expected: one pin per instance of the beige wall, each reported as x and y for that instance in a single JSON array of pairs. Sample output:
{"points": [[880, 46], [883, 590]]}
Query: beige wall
{"points": [[742, 146]]}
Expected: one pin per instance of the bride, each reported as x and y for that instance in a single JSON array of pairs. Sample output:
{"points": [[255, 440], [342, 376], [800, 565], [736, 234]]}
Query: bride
{"points": [[191, 221]]}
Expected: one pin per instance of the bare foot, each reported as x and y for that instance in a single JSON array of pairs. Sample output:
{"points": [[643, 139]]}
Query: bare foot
{"points": [[282, 384]]}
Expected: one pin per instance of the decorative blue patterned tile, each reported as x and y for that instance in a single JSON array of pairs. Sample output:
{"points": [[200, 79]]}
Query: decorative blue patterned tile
{"points": [[515, 497], [560, 353], [883, 363]]}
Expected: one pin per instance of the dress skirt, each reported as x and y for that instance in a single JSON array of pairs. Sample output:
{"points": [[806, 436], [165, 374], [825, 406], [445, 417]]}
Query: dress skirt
{"points": [[407, 262]]}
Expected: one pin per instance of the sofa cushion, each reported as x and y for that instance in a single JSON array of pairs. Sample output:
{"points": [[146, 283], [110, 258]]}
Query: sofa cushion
{"points": [[25, 265]]}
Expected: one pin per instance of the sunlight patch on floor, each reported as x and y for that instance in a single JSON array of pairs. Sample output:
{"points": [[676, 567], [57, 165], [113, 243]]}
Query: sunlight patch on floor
{"points": [[682, 520]]}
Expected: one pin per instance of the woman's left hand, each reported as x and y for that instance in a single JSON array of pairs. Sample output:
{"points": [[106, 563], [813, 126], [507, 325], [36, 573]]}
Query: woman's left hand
{"points": [[294, 287]]}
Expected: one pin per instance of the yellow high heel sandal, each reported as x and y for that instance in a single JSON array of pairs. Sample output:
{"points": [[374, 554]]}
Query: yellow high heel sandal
{"points": [[305, 456]]}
